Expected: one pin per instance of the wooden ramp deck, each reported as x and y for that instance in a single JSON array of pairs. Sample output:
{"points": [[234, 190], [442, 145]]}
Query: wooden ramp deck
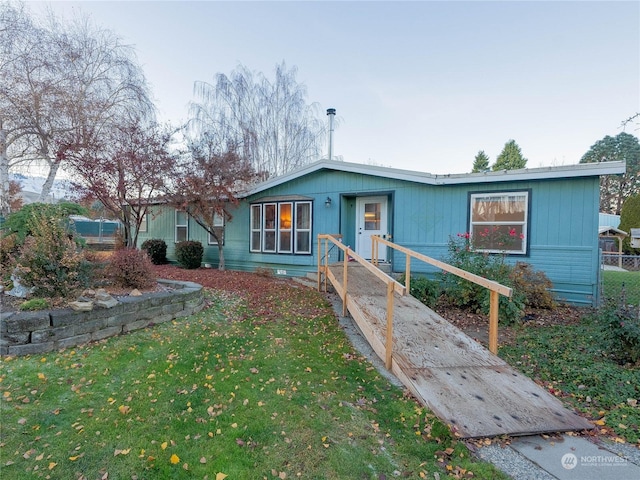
{"points": [[466, 386]]}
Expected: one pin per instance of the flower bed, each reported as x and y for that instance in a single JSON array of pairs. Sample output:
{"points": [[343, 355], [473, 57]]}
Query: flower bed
{"points": [[26, 333]]}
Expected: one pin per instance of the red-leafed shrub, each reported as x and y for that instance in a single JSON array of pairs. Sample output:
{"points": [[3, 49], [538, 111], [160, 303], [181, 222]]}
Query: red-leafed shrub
{"points": [[131, 268]]}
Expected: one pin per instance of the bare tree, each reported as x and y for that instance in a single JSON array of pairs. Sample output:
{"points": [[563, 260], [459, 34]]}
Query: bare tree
{"points": [[632, 120], [268, 122], [207, 188], [15, 28], [125, 172], [63, 86]]}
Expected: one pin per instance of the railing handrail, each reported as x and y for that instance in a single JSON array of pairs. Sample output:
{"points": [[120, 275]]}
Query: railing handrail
{"points": [[477, 279], [495, 288], [392, 285], [397, 286]]}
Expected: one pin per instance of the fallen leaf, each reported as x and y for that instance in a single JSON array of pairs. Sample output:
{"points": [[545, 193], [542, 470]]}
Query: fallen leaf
{"points": [[203, 460], [164, 445], [52, 465], [220, 476]]}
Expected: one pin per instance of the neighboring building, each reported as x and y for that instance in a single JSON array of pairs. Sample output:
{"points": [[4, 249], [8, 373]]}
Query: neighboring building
{"points": [[99, 234], [549, 215], [608, 220]]}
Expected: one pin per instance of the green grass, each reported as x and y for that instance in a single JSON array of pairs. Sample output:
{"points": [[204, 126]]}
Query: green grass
{"points": [[614, 281], [572, 362], [222, 392]]}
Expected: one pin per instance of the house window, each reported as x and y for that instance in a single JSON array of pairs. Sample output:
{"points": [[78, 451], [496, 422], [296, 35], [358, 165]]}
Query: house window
{"points": [[285, 226], [499, 222], [281, 227], [256, 228], [218, 228], [303, 227], [182, 226], [269, 227], [144, 223]]}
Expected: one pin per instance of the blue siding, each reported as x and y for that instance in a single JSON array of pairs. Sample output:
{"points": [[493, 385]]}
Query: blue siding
{"points": [[562, 233]]}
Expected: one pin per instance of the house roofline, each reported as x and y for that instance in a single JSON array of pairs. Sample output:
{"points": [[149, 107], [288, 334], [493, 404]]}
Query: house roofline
{"points": [[541, 173]]}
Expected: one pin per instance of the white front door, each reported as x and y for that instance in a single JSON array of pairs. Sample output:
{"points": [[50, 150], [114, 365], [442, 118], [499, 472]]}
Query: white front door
{"points": [[371, 220]]}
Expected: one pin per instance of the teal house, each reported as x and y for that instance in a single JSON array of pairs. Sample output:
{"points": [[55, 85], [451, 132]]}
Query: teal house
{"points": [[547, 217]]}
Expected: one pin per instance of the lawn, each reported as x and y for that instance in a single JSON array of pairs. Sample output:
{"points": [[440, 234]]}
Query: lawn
{"points": [[571, 361], [613, 283], [262, 384]]}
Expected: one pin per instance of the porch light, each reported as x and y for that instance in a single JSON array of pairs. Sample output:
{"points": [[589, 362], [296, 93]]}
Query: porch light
{"points": [[327, 202]]}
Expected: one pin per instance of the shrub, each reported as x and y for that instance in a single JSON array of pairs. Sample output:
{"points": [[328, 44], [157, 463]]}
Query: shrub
{"points": [[20, 222], [8, 251], [534, 285], [264, 272], [189, 254], [622, 331], [48, 260], [156, 248], [131, 268], [464, 293], [423, 289]]}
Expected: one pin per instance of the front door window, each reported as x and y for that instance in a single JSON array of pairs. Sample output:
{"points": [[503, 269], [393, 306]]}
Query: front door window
{"points": [[372, 220]]}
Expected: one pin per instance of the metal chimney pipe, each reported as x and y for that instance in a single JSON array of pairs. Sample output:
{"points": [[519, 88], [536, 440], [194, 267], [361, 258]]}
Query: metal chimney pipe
{"points": [[331, 113]]}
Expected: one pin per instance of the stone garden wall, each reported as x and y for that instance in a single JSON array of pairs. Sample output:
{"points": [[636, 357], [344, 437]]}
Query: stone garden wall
{"points": [[25, 333]]}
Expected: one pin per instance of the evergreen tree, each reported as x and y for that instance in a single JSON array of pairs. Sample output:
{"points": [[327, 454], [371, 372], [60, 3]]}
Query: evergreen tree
{"points": [[630, 218], [481, 162], [615, 189], [510, 158]]}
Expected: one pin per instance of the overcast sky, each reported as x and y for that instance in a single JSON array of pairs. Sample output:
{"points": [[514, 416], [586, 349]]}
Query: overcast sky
{"points": [[417, 85]]}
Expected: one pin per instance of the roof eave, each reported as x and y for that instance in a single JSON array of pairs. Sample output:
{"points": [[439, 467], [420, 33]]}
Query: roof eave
{"points": [[564, 171]]}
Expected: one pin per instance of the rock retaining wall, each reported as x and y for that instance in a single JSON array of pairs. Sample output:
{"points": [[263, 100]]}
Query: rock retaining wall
{"points": [[26, 333]]}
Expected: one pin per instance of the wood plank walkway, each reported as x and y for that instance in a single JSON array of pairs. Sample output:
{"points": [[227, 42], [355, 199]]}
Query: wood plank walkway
{"points": [[475, 392]]}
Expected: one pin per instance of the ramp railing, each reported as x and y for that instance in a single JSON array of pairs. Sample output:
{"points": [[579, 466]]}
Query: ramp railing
{"points": [[496, 289], [324, 273]]}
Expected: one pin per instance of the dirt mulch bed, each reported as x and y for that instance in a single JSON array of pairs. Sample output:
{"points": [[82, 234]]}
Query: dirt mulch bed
{"points": [[477, 325]]}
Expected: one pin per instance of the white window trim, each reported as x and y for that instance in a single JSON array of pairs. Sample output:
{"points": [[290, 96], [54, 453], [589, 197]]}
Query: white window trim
{"points": [[525, 223], [144, 223], [218, 222], [266, 230], [303, 230], [181, 225], [255, 208], [259, 209], [285, 230]]}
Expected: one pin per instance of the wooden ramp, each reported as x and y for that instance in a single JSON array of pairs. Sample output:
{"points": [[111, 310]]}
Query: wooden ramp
{"points": [[465, 385]]}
